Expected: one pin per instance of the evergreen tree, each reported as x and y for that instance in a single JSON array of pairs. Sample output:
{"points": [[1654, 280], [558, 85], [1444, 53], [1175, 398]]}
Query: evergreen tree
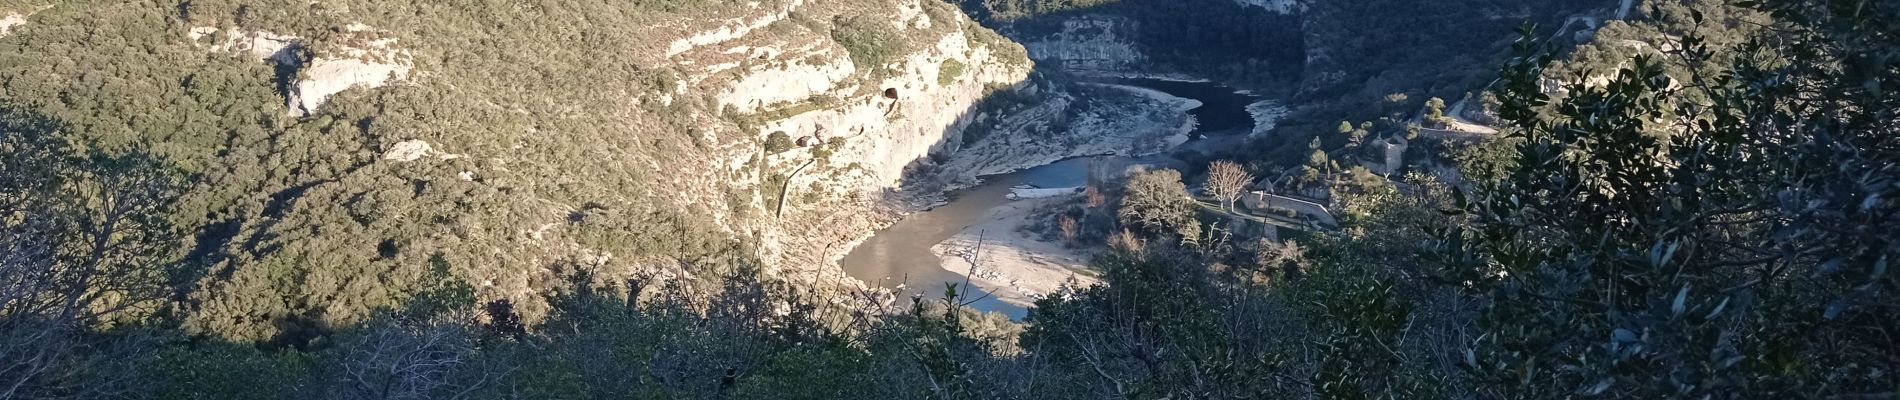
{"points": [[1740, 247]]}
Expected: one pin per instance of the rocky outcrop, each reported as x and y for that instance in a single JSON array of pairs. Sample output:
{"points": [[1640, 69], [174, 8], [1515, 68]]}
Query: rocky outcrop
{"points": [[713, 86], [822, 73], [412, 150], [731, 30], [363, 59], [895, 135], [801, 83], [1123, 120], [11, 21], [367, 60], [1279, 6], [1089, 43], [856, 128], [265, 46], [1266, 115]]}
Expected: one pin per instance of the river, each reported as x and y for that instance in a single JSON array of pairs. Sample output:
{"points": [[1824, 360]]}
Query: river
{"points": [[900, 257]]}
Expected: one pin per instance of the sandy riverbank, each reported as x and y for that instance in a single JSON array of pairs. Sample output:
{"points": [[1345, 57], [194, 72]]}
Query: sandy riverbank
{"points": [[1148, 122], [1018, 267]]}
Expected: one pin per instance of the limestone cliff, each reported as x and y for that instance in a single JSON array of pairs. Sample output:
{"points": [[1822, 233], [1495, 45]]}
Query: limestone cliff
{"points": [[1089, 43], [874, 141], [350, 155], [1279, 6]]}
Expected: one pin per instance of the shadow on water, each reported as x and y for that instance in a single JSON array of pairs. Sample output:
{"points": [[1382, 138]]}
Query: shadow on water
{"points": [[900, 257], [1223, 110]]}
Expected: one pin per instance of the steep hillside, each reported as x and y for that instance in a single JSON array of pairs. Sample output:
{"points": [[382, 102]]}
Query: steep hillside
{"points": [[1258, 44], [1369, 61], [342, 156], [358, 199]]}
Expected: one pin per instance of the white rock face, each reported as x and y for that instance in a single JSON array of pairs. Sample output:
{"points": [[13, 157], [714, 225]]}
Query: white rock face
{"points": [[371, 65], [325, 77], [880, 135], [1146, 122], [265, 46], [1088, 43], [1266, 115], [1279, 6], [10, 21], [733, 29], [773, 78], [910, 14], [409, 150], [769, 86], [926, 118]]}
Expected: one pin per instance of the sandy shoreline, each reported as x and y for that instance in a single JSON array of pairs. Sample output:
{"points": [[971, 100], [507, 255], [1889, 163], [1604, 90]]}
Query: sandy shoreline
{"points": [[1017, 267]]}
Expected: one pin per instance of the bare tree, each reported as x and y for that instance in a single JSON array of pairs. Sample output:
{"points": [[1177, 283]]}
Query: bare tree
{"points": [[1096, 199], [82, 240], [1126, 241], [1069, 228], [1226, 180], [413, 358]]}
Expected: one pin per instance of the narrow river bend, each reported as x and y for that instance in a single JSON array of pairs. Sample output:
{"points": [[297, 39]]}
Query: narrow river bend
{"points": [[900, 257]]}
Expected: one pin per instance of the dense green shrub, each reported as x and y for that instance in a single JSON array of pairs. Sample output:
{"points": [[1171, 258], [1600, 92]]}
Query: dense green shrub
{"points": [[778, 142], [1600, 264], [1158, 202], [871, 41], [950, 71]]}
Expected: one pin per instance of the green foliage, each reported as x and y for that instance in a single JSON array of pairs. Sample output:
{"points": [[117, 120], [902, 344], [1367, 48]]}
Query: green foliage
{"points": [[1484, 161], [1380, 60], [778, 142], [1008, 51], [299, 225], [1156, 201], [1719, 252], [950, 72], [226, 370], [822, 371], [1007, 10], [1167, 323], [870, 41], [1435, 113], [1355, 136], [84, 243], [1707, 235], [1722, 28]]}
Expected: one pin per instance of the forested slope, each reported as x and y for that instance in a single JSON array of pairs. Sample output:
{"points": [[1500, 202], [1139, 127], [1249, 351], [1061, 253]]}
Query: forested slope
{"points": [[505, 146], [1380, 61], [1373, 62], [1216, 39], [1715, 221]]}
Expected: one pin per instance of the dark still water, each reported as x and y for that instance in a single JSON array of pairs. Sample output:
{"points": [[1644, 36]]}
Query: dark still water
{"points": [[1222, 111], [900, 257]]}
